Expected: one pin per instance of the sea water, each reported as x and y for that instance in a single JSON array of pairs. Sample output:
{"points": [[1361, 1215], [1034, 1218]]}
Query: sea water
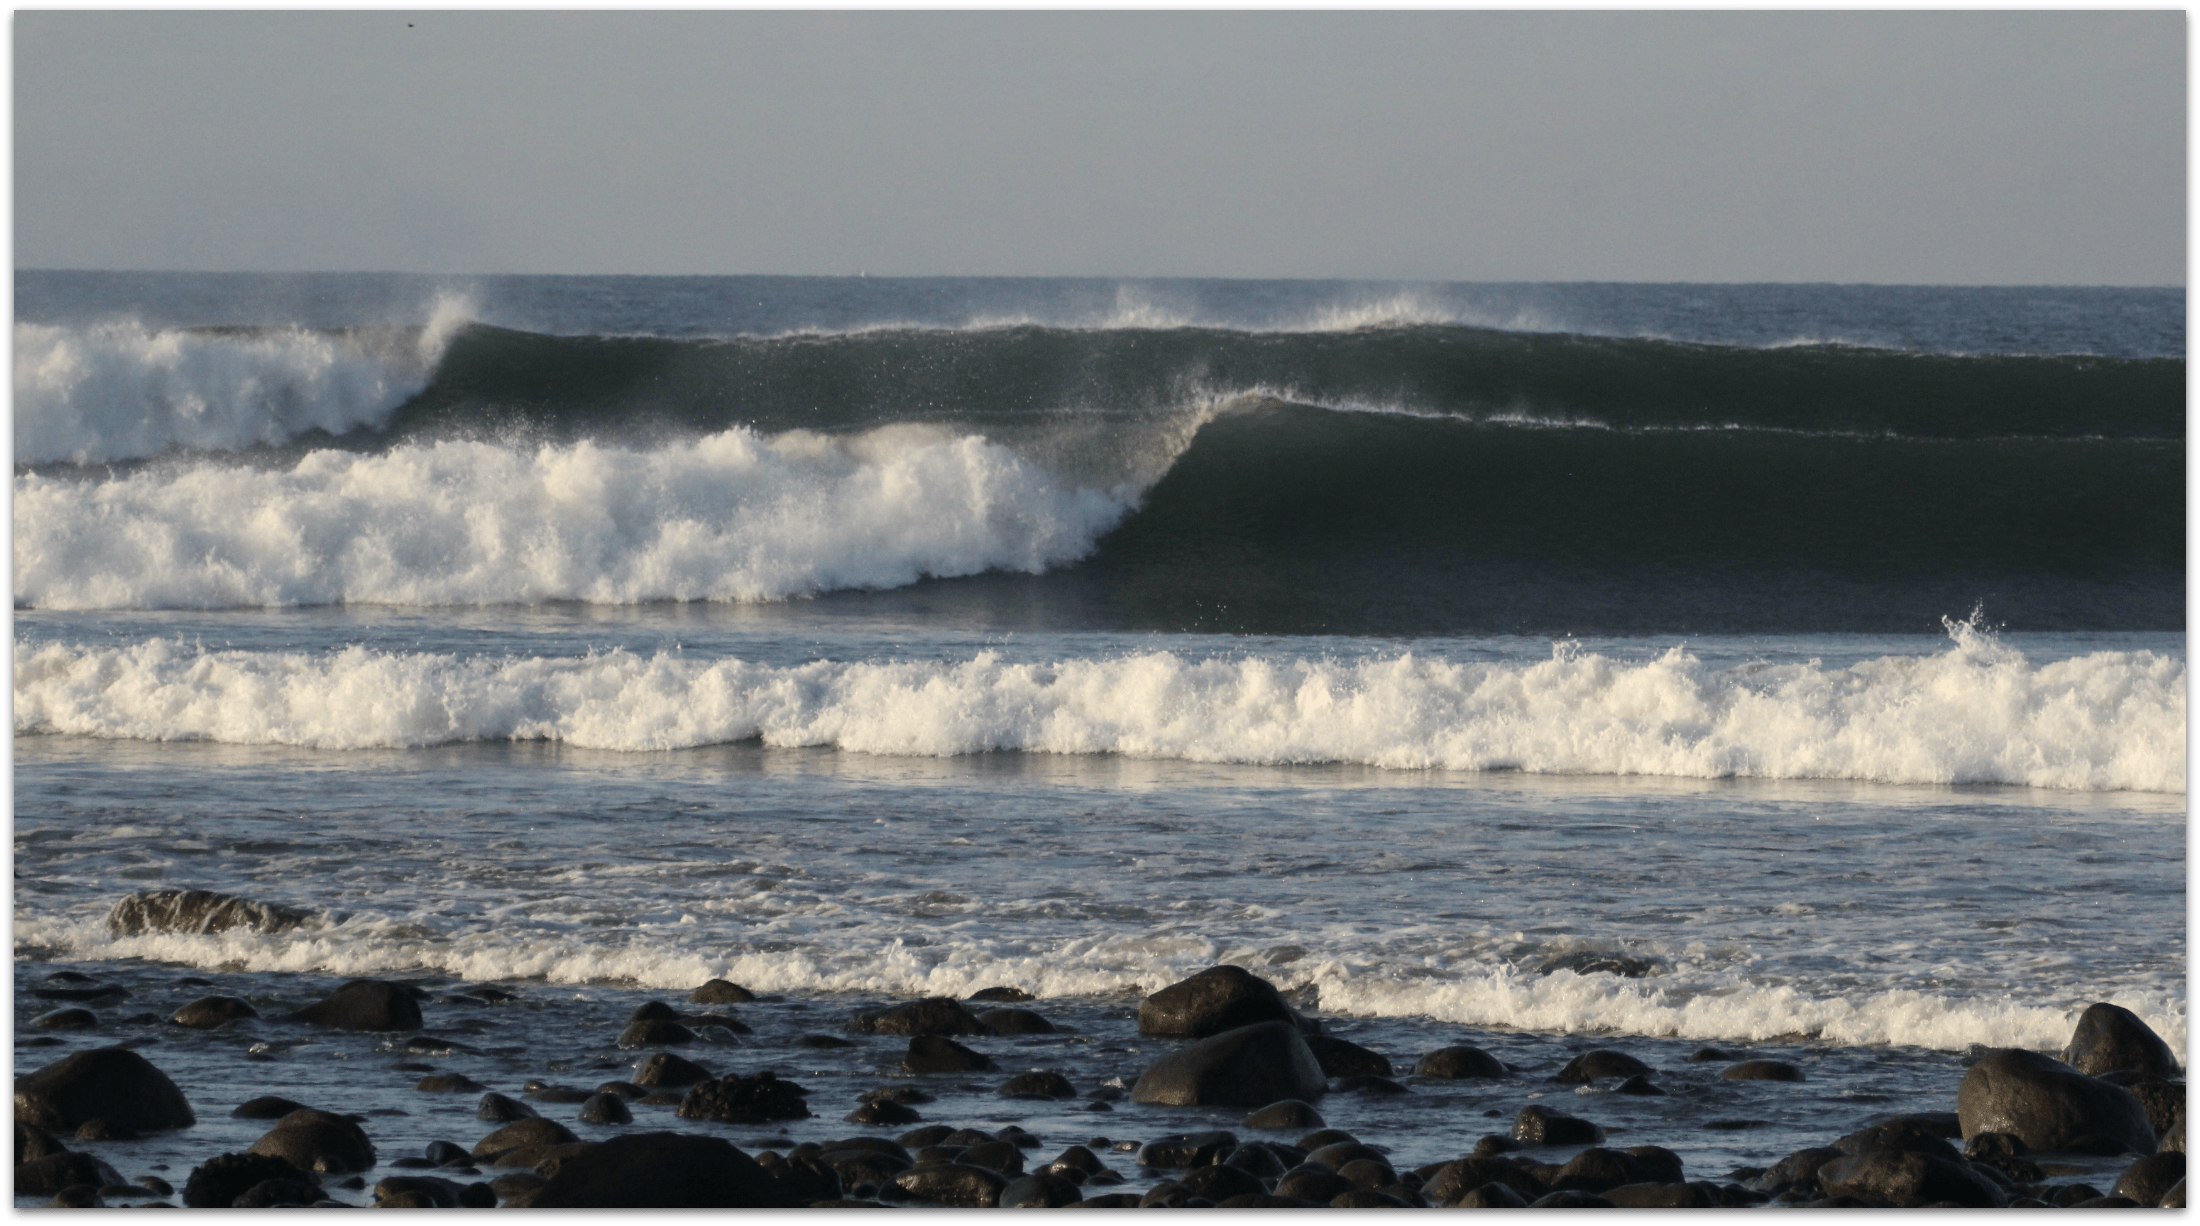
{"points": [[1791, 670]]}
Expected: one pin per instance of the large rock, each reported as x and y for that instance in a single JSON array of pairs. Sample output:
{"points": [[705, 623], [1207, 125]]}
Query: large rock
{"points": [[670, 1071], [2110, 1037], [660, 1170], [365, 1004], [1246, 1067], [744, 1100], [932, 1015], [318, 1141], [720, 992], [929, 1053], [2051, 1106], [105, 1083], [1540, 1125], [1456, 1179], [189, 911], [1217, 999], [1908, 1179]]}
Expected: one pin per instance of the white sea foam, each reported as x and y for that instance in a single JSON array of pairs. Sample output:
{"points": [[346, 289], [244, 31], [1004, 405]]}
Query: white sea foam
{"points": [[119, 390], [666, 950], [732, 516], [1976, 713]]}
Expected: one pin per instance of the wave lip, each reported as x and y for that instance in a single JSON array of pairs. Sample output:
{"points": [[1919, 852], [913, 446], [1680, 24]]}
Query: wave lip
{"points": [[1976, 713], [120, 390]]}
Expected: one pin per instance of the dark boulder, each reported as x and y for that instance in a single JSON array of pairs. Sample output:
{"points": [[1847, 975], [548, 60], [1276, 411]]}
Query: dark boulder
{"points": [[720, 992], [1218, 999], [1897, 1134], [1038, 1085], [31, 1142], [933, 1015], [1487, 1196], [744, 1100], [217, 1182], [54, 1172], [1657, 1163], [1640, 1086], [954, 1184], [660, 1170], [1596, 1169], [1002, 1156], [213, 1012], [1590, 1066], [1460, 1063], [521, 1137], [1540, 1125], [416, 1191], [2110, 1038], [1800, 1167], [1220, 1183], [605, 1108], [1315, 1183], [189, 911], [655, 1032], [1016, 1021], [365, 1004], [1761, 1070], [666, 1069], [498, 1109], [109, 1083], [1568, 1199], [1456, 1179], [1339, 1058], [318, 1141], [1662, 1196], [883, 1112], [1007, 995], [106, 1130], [278, 1194], [932, 1054], [265, 1107], [1039, 1191], [1908, 1179], [1289, 1115], [1245, 1067], [2053, 1107], [447, 1083], [2163, 1101], [2149, 1179], [65, 1019], [1187, 1149]]}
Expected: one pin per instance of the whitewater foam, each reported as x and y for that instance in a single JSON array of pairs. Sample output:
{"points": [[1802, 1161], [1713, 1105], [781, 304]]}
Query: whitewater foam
{"points": [[119, 390], [731, 516], [1976, 713]]}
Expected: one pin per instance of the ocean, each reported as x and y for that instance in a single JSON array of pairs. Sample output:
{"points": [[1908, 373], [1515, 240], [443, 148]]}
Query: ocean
{"points": [[1796, 670]]}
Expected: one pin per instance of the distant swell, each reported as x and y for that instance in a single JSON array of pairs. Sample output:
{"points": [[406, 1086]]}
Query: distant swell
{"points": [[1976, 713]]}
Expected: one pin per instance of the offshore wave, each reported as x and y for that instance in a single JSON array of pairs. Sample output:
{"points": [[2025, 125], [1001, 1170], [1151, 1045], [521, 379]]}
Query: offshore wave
{"points": [[1979, 712], [1281, 517], [120, 391]]}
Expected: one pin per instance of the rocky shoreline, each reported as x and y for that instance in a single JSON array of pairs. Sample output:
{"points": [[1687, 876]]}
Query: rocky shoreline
{"points": [[706, 1115]]}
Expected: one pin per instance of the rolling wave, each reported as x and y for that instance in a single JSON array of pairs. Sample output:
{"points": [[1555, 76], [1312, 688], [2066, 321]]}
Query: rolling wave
{"points": [[1976, 713]]}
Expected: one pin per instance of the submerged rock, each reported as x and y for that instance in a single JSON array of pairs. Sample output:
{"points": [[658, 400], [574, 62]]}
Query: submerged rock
{"points": [[744, 1100], [318, 1141], [365, 1004], [213, 1012], [933, 1015], [1460, 1063], [659, 1170]]}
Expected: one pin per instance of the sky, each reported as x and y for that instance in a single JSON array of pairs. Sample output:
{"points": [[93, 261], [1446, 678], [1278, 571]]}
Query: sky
{"points": [[1895, 147]]}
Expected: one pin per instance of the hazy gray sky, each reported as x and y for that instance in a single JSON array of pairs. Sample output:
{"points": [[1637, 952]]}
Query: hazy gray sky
{"points": [[1967, 147]]}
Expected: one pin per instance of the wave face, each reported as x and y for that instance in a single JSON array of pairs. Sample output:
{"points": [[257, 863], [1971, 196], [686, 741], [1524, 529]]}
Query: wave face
{"points": [[1977, 713], [1372, 470]]}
